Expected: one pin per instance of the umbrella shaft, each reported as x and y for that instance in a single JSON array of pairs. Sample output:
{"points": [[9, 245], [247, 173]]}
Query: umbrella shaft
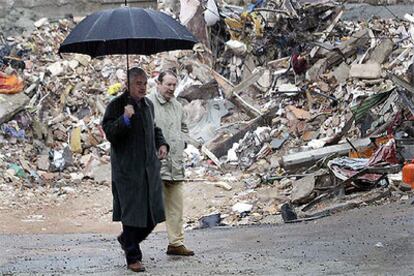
{"points": [[127, 57]]}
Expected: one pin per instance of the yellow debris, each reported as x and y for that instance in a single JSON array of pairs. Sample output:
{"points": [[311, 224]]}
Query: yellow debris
{"points": [[75, 140], [114, 89]]}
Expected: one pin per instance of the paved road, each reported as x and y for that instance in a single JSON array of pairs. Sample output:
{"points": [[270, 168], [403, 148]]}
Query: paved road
{"points": [[366, 12], [368, 241]]}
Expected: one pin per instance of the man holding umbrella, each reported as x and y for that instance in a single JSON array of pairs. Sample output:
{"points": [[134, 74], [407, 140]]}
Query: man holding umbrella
{"points": [[129, 119], [137, 144]]}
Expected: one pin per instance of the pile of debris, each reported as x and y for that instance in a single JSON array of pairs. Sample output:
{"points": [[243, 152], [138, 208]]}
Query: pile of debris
{"points": [[334, 90], [280, 98]]}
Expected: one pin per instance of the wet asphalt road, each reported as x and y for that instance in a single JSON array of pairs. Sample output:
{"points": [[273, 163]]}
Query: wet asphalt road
{"points": [[367, 241], [365, 12]]}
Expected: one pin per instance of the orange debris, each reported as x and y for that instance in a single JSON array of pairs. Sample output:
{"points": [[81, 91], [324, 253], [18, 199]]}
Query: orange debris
{"points": [[10, 84]]}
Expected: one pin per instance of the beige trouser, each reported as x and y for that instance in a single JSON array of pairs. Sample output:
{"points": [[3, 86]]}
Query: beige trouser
{"points": [[173, 203]]}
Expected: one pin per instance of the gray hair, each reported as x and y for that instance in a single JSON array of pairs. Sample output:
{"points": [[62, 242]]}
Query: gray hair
{"points": [[136, 71]]}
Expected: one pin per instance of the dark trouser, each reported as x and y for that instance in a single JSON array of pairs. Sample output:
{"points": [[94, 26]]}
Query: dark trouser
{"points": [[132, 237]]}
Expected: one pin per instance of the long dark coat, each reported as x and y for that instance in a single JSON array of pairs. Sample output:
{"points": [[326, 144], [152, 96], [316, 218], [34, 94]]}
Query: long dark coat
{"points": [[136, 182]]}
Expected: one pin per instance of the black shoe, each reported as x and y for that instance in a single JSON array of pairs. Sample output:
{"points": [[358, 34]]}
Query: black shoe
{"points": [[121, 242]]}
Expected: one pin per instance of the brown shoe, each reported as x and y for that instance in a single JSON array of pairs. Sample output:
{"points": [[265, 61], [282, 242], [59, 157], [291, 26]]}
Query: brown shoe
{"points": [[136, 267], [179, 250]]}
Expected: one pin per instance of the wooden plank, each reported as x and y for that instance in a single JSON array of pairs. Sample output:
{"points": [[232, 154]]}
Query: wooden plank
{"points": [[248, 108], [231, 92], [212, 156]]}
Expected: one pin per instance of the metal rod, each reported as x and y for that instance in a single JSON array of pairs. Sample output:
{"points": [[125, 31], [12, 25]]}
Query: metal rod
{"points": [[127, 57], [353, 147]]}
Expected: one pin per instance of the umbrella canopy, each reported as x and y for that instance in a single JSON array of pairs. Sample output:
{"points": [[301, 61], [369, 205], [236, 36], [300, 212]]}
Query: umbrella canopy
{"points": [[127, 30]]}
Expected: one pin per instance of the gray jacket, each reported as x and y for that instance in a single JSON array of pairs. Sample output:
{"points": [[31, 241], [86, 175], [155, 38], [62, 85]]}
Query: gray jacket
{"points": [[170, 117]]}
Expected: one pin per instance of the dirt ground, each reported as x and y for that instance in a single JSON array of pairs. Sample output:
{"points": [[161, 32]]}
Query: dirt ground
{"points": [[91, 211]]}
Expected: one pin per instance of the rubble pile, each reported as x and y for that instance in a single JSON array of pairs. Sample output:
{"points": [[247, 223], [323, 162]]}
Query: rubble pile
{"points": [[308, 116], [340, 89]]}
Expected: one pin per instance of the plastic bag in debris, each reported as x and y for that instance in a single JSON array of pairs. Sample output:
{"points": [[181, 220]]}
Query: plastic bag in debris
{"points": [[19, 170], [241, 207], [211, 15], [62, 159], [12, 129], [237, 47], [193, 155], [231, 153], [262, 134]]}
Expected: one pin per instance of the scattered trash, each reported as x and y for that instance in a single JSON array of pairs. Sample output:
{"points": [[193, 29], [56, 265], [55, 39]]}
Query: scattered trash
{"points": [[18, 171], [242, 207], [210, 221], [114, 89], [288, 213], [10, 84]]}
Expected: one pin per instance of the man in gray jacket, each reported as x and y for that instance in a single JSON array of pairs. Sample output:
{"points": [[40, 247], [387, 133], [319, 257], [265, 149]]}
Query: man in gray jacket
{"points": [[170, 117]]}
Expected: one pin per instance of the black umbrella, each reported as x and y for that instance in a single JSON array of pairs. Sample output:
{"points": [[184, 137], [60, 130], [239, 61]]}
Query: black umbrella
{"points": [[127, 31]]}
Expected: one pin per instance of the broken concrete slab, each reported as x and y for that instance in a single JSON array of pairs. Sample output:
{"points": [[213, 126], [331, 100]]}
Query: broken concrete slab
{"points": [[10, 105], [350, 202], [341, 73], [201, 92], [301, 159], [302, 191], [365, 71], [381, 52], [343, 51]]}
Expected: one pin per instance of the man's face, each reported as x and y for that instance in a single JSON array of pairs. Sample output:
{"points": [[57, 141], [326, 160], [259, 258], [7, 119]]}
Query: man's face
{"points": [[167, 86], [138, 87]]}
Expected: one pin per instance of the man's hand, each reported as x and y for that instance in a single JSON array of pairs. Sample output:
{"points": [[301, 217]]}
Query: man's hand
{"points": [[129, 111], [162, 152]]}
